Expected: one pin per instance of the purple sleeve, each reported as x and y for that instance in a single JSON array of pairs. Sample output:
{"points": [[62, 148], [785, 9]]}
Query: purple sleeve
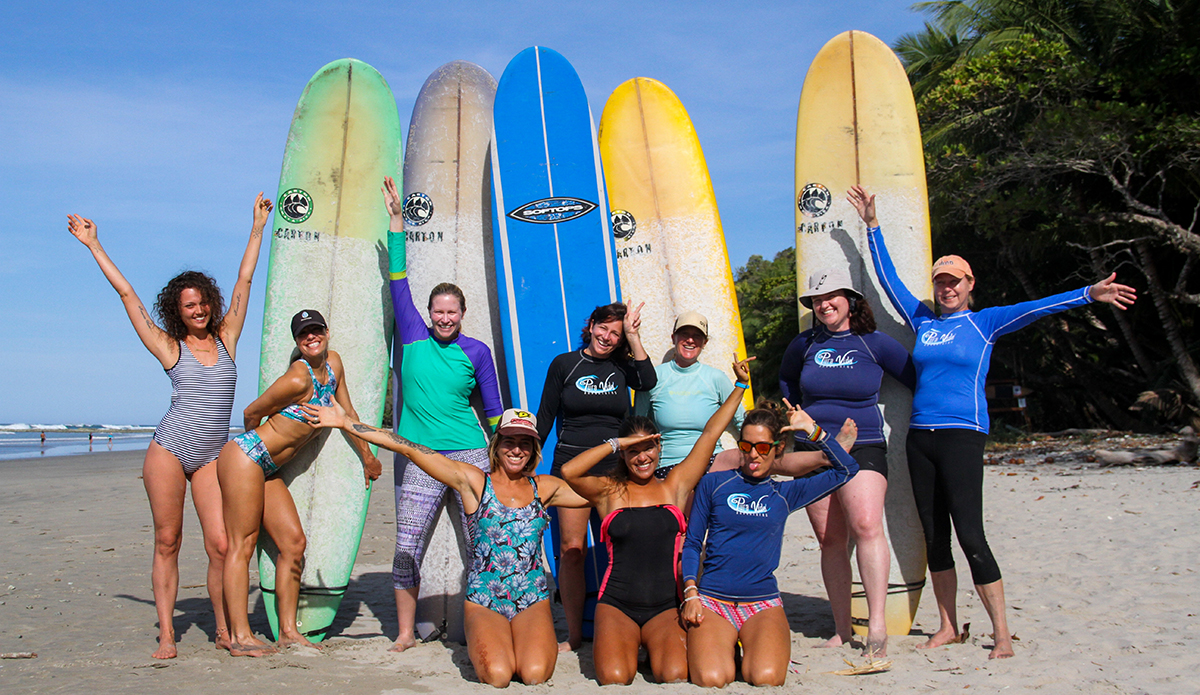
{"points": [[410, 325], [485, 377]]}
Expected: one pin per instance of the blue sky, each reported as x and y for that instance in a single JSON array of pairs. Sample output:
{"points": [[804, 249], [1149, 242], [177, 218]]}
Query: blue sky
{"points": [[163, 120]]}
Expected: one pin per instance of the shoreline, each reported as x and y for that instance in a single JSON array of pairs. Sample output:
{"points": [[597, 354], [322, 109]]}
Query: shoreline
{"points": [[1100, 568]]}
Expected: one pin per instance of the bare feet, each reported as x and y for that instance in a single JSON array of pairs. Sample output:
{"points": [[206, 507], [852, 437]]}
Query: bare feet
{"points": [[223, 641], [848, 434], [564, 647], [402, 643], [166, 646], [833, 643], [1002, 650], [876, 647], [296, 640], [250, 646], [252, 650], [948, 635]]}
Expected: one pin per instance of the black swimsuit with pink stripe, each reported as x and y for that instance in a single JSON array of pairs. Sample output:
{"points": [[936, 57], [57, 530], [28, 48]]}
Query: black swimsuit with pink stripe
{"points": [[643, 543]]}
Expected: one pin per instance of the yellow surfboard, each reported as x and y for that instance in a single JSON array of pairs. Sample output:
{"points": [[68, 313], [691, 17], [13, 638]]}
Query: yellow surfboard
{"points": [[670, 246], [857, 124]]}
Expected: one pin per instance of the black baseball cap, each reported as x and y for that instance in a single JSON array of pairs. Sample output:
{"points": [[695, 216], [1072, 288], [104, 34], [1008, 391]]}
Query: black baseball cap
{"points": [[306, 318]]}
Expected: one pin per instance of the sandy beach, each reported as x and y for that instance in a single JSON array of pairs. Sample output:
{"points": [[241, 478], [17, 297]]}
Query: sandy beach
{"points": [[1101, 565]]}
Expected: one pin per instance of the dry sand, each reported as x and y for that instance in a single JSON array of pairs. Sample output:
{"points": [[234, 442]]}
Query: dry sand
{"points": [[1101, 567]]}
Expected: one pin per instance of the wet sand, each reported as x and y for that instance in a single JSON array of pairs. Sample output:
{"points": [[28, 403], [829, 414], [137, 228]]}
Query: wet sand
{"points": [[1102, 572]]}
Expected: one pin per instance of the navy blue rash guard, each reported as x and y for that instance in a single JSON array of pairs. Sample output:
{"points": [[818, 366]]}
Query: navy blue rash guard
{"points": [[835, 376], [954, 351], [743, 519]]}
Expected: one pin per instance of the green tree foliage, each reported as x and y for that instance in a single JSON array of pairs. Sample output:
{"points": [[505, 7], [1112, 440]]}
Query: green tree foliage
{"points": [[1063, 142], [766, 292]]}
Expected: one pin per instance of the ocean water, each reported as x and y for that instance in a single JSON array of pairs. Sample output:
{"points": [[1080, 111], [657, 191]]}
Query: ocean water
{"points": [[20, 440]]}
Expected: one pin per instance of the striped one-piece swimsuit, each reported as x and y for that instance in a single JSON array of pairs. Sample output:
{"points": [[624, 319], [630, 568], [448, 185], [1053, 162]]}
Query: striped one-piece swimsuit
{"points": [[197, 424]]}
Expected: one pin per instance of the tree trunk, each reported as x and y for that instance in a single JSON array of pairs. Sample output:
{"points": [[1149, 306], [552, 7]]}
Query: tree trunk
{"points": [[1135, 346], [1171, 327]]}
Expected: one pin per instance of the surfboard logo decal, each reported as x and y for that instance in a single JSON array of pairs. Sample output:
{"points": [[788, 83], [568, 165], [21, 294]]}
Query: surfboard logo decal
{"points": [[552, 210], [623, 224], [418, 209], [296, 205], [814, 200]]}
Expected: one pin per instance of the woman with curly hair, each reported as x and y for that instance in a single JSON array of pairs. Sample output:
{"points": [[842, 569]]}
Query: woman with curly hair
{"points": [[196, 344]]}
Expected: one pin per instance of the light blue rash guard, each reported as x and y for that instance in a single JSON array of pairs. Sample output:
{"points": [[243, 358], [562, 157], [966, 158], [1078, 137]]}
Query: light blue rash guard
{"points": [[739, 521], [953, 351], [682, 403]]}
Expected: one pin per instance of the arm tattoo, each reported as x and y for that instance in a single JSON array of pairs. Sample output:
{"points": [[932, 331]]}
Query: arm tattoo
{"points": [[256, 234], [359, 427], [237, 303], [149, 323]]}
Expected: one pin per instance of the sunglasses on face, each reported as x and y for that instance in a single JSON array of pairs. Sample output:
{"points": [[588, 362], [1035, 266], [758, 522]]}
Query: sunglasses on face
{"points": [[763, 448]]}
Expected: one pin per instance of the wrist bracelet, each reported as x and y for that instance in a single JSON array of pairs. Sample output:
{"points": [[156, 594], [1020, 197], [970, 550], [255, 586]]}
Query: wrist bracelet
{"points": [[691, 598], [816, 434], [740, 385], [693, 588], [616, 446]]}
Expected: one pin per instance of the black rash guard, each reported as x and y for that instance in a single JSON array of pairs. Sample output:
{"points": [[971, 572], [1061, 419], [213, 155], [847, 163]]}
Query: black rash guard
{"points": [[588, 398]]}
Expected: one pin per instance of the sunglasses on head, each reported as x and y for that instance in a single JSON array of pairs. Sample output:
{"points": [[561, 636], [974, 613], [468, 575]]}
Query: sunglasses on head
{"points": [[763, 448]]}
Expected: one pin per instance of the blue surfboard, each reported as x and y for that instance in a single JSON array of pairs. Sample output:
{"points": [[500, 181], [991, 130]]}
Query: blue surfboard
{"points": [[555, 253]]}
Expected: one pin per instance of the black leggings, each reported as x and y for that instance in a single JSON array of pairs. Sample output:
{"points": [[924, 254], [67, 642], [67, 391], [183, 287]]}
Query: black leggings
{"points": [[946, 467]]}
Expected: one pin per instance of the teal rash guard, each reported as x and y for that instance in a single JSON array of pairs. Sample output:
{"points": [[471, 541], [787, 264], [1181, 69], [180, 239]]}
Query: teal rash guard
{"points": [[438, 377], [681, 403]]}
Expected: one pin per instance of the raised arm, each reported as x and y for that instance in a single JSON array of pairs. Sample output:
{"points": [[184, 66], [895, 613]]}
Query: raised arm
{"points": [[1000, 320], [372, 468], [235, 319], [555, 492], [466, 479], [804, 491], [898, 293], [596, 488], [683, 478], [410, 325], [632, 325], [154, 338]]}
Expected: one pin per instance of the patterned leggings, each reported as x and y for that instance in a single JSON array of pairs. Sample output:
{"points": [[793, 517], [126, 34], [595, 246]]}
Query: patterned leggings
{"points": [[418, 497]]}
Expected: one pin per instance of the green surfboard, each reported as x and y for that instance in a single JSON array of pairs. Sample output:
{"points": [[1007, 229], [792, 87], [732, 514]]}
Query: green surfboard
{"points": [[329, 253]]}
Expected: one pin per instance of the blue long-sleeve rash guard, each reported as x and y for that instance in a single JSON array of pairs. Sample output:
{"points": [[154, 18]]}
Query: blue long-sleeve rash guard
{"points": [[835, 376], [953, 352], [743, 520]]}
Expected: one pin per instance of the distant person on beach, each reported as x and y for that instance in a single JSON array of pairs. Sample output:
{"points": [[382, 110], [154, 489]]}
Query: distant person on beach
{"points": [[440, 370], [643, 528], [510, 632], [834, 371], [255, 497], [587, 394], [43, 439], [949, 424], [687, 394], [737, 520], [196, 345]]}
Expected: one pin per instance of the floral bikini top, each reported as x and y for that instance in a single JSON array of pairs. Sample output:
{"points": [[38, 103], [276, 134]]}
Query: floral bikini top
{"points": [[322, 395]]}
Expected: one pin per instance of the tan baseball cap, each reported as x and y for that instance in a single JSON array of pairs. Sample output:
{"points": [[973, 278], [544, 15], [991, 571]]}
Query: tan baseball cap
{"points": [[692, 318], [514, 422], [952, 265]]}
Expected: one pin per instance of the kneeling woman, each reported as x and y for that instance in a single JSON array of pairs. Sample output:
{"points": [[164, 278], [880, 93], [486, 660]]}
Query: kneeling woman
{"points": [[254, 497], [643, 526], [507, 616], [743, 513]]}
